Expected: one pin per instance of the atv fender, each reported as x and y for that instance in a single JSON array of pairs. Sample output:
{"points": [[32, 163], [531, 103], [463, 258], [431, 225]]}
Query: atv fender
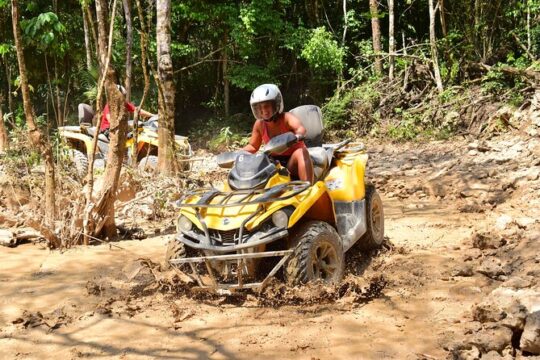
{"points": [[316, 205], [73, 136]]}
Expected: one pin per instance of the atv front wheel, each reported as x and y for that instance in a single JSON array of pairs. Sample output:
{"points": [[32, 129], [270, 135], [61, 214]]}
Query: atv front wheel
{"points": [[374, 236], [148, 163], [80, 162], [175, 250], [318, 255]]}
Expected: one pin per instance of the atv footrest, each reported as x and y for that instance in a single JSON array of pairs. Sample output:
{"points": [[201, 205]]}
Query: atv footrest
{"points": [[224, 288]]}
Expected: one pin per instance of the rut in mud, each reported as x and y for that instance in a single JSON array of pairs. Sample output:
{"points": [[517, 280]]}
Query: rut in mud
{"points": [[457, 278]]}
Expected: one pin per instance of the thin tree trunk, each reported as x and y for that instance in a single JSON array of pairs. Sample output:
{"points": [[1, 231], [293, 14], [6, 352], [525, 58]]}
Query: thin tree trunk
{"points": [[103, 219], [166, 159], [34, 133], [129, 46], [345, 22], [10, 96], [51, 91], [376, 35], [528, 25], [391, 39], [4, 140], [433, 44], [92, 29], [406, 75], [87, 45], [442, 16], [59, 113], [226, 83], [144, 46], [477, 28]]}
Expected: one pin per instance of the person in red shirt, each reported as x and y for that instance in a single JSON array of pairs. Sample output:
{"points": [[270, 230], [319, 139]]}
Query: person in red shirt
{"points": [[267, 107], [130, 107]]}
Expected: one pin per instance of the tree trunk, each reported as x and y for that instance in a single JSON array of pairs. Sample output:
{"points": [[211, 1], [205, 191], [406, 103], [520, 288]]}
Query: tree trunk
{"points": [[59, 113], [226, 83], [391, 39], [166, 159], [442, 16], [104, 219], [51, 91], [4, 140], [10, 96], [376, 33], [86, 39], [129, 46], [34, 133], [144, 45], [92, 29], [433, 43], [345, 22]]}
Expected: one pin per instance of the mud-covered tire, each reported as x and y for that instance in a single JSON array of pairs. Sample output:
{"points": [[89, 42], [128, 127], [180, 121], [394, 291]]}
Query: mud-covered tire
{"points": [[148, 163], [175, 250], [79, 161], [374, 236], [317, 255]]}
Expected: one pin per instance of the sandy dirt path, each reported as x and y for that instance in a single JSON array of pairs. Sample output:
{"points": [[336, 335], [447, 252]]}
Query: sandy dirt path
{"points": [[424, 307]]}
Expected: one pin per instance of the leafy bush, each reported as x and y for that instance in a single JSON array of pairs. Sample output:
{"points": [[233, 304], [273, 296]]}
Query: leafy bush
{"points": [[354, 109], [323, 53], [227, 139]]}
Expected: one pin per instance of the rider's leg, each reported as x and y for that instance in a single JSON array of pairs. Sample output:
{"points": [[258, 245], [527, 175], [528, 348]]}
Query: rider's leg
{"points": [[300, 165]]}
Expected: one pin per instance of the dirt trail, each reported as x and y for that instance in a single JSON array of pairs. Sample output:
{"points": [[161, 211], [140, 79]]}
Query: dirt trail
{"points": [[437, 196]]}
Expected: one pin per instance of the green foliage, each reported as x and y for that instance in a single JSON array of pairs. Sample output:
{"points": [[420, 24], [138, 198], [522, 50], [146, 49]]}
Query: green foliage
{"points": [[46, 32], [353, 109], [323, 53], [6, 49], [336, 112], [407, 128], [223, 140], [249, 77]]}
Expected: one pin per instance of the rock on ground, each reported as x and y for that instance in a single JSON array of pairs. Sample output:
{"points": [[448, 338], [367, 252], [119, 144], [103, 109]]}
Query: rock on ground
{"points": [[530, 339]]}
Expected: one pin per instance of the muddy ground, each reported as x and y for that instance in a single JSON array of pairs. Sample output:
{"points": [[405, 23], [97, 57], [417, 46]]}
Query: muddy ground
{"points": [[457, 278]]}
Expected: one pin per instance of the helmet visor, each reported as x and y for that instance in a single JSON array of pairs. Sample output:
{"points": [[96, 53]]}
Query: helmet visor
{"points": [[264, 110]]}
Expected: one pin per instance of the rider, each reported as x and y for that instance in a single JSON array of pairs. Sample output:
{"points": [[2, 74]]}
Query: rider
{"points": [[267, 107], [130, 107]]}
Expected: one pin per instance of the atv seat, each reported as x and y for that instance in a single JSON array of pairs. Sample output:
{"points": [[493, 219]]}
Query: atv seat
{"points": [[92, 130], [311, 118]]}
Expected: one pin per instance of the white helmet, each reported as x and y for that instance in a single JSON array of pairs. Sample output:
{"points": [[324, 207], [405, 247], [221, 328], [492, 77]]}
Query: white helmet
{"points": [[263, 93]]}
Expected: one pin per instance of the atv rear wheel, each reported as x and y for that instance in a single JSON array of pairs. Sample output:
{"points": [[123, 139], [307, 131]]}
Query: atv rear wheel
{"points": [[148, 163], [318, 255], [374, 236], [80, 162]]}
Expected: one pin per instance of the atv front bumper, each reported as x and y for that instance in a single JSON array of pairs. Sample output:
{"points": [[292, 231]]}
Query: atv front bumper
{"points": [[244, 252], [240, 261]]}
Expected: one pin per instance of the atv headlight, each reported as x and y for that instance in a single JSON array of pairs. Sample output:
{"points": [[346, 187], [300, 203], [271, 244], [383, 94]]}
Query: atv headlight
{"points": [[184, 224], [280, 219]]}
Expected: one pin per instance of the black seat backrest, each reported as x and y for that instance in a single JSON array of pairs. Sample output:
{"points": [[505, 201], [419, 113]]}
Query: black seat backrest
{"points": [[311, 118], [86, 114]]}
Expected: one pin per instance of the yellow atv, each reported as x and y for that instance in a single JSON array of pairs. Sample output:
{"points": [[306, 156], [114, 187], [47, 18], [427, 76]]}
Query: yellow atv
{"points": [[262, 222], [79, 140]]}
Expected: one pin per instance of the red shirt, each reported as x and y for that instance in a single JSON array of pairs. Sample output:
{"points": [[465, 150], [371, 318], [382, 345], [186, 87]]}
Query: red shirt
{"points": [[105, 123], [283, 128]]}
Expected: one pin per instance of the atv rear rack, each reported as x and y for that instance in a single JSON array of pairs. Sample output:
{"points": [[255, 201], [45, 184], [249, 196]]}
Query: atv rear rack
{"points": [[275, 193], [240, 258]]}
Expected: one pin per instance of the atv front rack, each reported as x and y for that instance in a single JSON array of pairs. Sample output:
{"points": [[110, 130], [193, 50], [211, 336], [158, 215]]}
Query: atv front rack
{"points": [[240, 263], [275, 193]]}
